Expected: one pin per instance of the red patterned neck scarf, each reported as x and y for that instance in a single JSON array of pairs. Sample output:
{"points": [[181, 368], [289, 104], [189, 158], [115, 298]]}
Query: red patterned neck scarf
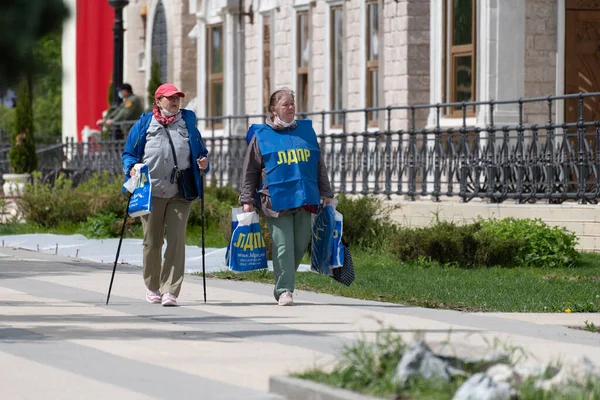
{"points": [[164, 121]]}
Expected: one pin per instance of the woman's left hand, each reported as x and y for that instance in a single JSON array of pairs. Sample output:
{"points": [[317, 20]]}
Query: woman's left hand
{"points": [[202, 163]]}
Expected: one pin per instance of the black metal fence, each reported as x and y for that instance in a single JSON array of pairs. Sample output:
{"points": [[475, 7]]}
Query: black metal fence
{"points": [[393, 151]]}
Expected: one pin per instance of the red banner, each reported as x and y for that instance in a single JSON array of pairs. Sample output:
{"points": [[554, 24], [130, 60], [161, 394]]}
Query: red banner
{"points": [[94, 61]]}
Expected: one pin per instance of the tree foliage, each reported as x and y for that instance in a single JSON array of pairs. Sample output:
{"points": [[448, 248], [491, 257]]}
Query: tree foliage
{"points": [[29, 21], [47, 88]]}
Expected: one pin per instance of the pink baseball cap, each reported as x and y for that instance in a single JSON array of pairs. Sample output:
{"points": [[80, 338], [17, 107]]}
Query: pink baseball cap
{"points": [[167, 90]]}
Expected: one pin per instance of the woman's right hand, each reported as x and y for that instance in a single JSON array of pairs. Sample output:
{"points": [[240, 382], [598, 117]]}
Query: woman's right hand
{"points": [[132, 172], [247, 208]]}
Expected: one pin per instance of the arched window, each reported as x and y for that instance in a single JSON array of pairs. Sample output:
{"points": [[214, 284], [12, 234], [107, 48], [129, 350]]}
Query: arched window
{"points": [[160, 40]]}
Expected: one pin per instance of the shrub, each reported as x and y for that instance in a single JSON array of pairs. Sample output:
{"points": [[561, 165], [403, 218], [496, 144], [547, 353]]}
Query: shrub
{"points": [[493, 250], [217, 207], [541, 245], [366, 221], [444, 242], [22, 156], [103, 225], [105, 194], [226, 194], [505, 243], [48, 206]]}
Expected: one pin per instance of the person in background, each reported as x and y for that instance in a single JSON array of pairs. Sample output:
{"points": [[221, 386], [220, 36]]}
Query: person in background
{"points": [[148, 143], [128, 110], [284, 164]]}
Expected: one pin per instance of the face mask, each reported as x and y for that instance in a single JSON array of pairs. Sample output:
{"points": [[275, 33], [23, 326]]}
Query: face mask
{"points": [[121, 95], [167, 113], [284, 124]]}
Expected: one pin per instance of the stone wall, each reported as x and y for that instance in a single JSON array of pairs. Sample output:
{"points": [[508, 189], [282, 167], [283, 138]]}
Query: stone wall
{"points": [[319, 92], [354, 40], [184, 49], [540, 56], [406, 59], [283, 46], [418, 57], [404, 65], [182, 62], [252, 69], [134, 45]]}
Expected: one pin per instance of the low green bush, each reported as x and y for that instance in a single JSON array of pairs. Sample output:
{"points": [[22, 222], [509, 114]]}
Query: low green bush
{"points": [[50, 205], [506, 242], [100, 204], [104, 191], [541, 245], [366, 221], [103, 225], [217, 208], [445, 242]]}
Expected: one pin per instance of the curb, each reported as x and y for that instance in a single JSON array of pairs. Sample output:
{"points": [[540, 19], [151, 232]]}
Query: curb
{"points": [[302, 389]]}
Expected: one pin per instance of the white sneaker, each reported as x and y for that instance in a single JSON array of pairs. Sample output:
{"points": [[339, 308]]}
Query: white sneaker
{"points": [[285, 299], [153, 297], [169, 300]]}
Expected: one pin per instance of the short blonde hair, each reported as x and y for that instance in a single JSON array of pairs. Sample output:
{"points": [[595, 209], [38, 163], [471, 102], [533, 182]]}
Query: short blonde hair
{"points": [[276, 96]]}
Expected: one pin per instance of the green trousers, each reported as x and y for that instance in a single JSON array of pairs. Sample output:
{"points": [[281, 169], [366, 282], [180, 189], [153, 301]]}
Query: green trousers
{"points": [[291, 235]]}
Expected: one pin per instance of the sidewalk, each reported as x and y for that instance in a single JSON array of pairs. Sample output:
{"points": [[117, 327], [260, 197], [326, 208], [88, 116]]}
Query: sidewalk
{"points": [[105, 250], [58, 339]]}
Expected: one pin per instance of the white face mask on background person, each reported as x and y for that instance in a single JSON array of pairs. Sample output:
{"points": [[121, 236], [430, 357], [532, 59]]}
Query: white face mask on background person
{"points": [[120, 95]]}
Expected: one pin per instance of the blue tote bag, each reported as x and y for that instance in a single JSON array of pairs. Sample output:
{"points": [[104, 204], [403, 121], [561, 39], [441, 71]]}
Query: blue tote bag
{"points": [[141, 198], [247, 249], [235, 211], [322, 240], [337, 252]]}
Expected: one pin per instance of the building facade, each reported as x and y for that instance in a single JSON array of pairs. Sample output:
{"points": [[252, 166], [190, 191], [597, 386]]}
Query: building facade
{"points": [[229, 55], [358, 54], [375, 62]]}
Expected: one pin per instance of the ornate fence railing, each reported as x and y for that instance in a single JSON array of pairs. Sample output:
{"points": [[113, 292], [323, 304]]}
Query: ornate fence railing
{"points": [[506, 158]]}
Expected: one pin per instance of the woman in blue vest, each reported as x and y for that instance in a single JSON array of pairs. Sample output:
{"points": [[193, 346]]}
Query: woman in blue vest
{"points": [[157, 139], [285, 165]]}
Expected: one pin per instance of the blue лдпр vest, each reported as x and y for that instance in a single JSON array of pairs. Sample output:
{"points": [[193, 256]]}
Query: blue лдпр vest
{"points": [[291, 160]]}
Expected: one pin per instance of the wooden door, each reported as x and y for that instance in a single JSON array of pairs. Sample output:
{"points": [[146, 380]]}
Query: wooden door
{"points": [[582, 57], [582, 75]]}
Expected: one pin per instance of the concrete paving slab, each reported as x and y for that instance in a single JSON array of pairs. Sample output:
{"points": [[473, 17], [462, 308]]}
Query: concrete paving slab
{"points": [[53, 320], [105, 250]]}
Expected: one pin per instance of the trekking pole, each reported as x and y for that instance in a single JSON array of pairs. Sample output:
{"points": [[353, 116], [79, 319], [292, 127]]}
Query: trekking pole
{"points": [[203, 251], [118, 250]]}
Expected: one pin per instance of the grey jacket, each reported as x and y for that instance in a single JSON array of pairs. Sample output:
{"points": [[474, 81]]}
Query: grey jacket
{"points": [[254, 173], [158, 155]]}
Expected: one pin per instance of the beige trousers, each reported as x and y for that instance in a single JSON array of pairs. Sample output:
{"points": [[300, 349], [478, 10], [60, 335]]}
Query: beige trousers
{"points": [[165, 275]]}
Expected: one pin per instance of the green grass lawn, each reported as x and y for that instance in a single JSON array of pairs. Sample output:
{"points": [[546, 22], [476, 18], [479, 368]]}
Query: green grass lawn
{"points": [[379, 277]]}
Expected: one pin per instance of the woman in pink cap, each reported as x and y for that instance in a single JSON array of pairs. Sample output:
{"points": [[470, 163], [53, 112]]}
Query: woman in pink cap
{"points": [[168, 142]]}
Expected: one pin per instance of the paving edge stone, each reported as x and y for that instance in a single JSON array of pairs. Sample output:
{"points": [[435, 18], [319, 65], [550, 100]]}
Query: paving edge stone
{"points": [[302, 389]]}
